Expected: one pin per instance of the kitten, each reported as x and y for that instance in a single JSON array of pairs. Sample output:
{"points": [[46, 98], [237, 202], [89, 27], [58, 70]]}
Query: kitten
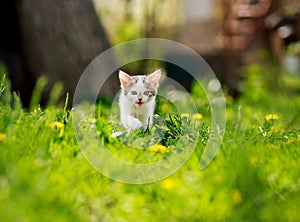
{"points": [[137, 99]]}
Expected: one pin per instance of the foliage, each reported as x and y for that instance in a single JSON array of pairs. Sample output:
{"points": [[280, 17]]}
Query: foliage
{"points": [[254, 177], [134, 19]]}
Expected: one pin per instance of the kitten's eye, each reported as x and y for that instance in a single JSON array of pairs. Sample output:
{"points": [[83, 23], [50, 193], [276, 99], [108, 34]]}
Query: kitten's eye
{"points": [[134, 92], [146, 93]]}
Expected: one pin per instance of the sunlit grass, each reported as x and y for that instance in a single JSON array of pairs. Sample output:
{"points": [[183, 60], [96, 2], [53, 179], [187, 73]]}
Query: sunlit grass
{"points": [[254, 177]]}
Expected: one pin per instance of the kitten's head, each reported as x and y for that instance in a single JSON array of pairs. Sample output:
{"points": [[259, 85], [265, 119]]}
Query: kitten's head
{"points": [[139, 89]]}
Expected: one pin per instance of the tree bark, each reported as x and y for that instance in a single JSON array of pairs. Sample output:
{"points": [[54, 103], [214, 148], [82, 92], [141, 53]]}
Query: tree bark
{"points": [[60, 39]]}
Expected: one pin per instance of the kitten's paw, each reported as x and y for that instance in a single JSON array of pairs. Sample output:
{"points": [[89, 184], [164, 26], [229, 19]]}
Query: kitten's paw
{"points": [[116, 134], [135, 124]]}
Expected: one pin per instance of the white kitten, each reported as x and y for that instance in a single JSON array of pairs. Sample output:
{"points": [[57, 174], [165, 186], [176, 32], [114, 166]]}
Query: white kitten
{"points": [[137, 99]]}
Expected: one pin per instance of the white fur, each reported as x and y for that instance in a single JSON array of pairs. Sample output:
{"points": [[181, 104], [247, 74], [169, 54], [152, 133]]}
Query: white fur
{"points": [[132, 115]]}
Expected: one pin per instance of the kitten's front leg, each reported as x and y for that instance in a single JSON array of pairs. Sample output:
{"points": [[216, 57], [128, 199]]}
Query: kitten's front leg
{"points": [[133, 123]]}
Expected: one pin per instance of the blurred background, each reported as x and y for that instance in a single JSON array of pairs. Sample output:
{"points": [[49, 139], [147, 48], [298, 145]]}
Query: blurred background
{"points": [[58, 39]]}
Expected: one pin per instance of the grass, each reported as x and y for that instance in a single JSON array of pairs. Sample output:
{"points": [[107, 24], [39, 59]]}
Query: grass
{"points": [[254, 177]]}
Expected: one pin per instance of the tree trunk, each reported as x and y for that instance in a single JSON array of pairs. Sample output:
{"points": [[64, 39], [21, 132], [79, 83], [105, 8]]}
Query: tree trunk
{"points": [[60, 38]]}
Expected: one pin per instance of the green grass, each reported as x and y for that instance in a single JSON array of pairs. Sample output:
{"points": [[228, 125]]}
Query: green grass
{"points": [[254, 177]]}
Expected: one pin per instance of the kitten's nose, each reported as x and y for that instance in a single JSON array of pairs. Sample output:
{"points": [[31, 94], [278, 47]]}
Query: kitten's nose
{"points": [[140, 98]]}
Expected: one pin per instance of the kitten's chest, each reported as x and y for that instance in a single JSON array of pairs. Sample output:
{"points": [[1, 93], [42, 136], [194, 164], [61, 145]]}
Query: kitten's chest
{"points": [[141, 113]]}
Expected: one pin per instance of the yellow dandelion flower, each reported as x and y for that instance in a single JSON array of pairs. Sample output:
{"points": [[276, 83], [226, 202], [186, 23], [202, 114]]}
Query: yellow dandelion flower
{"points": [[158, 148], [253, 160], [57, 125], [165, 107], [91, 120], [272, 146], [237, 197], [197, 116], [2, 136], [156, 116], [168, 183], [185, 115], [271, 117], [293, 141]]}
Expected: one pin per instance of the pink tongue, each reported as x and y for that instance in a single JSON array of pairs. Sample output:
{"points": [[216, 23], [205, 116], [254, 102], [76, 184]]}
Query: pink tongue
{"points": [[139, 103]]}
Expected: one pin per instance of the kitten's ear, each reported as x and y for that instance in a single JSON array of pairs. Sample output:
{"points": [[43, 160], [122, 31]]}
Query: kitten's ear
{"points": [[153, 78], [124, 78]]}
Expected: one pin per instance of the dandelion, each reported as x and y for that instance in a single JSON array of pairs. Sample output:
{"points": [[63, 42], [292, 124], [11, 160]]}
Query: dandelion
{"points": [[197, 116], [293, 141], [237, 197], [91, 120], [253, 160], [57, 125], [158, 148], [165, 107], [271, 117], [2, 136], [156, 116], [185, 115], [168, 183], [272, 146]]}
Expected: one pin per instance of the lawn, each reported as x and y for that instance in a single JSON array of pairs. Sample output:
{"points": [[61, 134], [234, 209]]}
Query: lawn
{"points": [[255, 176]]}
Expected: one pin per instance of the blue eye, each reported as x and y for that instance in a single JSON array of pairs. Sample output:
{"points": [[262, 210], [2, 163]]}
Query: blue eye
{"points": [[146, 93], [133, 92]]}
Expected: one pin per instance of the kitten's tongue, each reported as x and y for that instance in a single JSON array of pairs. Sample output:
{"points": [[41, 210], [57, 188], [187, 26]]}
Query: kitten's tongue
{"points": [[139, 104]]}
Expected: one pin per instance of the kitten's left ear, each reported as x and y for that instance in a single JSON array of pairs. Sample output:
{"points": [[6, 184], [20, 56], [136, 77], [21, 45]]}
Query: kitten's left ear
{"points": [[124, 78], [153, 78]]}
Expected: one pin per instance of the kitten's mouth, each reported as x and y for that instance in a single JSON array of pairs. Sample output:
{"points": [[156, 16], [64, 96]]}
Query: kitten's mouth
{"points": [[139, 104]]}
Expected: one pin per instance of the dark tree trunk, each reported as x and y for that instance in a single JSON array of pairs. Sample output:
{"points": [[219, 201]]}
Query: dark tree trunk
{"points": [[11, 51], [60, 38]]}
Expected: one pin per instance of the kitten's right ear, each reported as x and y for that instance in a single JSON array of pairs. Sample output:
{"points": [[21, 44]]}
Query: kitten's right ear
{"points": [[124, 78]]}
